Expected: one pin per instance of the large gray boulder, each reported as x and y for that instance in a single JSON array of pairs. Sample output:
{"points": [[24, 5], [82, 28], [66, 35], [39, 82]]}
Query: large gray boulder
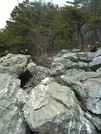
{"points": [[12, 98], [31, 68], [40, 73], [54, 109], [96, 63], [71, 62], [87, 87], [14, 64]]}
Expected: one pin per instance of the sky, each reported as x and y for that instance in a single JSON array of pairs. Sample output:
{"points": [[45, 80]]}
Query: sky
{"points": [[7, 6]]}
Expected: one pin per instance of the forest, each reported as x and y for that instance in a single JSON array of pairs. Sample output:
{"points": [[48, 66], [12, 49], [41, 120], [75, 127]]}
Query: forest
{"points": [[45, 28]]}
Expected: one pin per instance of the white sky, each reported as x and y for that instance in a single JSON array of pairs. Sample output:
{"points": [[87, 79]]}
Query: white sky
{"points": [[6, 7]]}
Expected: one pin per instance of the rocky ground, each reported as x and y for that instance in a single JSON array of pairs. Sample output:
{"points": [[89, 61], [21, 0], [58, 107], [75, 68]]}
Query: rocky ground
{"points": [[64, 98]]}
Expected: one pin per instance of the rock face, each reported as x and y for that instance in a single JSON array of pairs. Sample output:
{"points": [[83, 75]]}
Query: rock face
{"points": [[71, 63], [14, 64], [65, 99], [96, 63], [12, 98], [53, 108], [88, 89]]}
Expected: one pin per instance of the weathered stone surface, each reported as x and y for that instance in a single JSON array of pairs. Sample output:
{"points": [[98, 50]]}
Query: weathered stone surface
{"points": [[12, 98], [63, 51], [98, 53], [73, 71], [86, 56], [63, 100], [96, 121], [96, 62], [87, 87], [14, 64], [31, 68], [76, 50], [40, 73], [90, 56], [98, 70], [53, 108], [75, 61]]}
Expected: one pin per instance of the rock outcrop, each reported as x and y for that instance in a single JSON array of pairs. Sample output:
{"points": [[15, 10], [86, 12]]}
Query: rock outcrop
{"points": [[65, 99], [71, 63], [96, 63], [54, 108], [12, 98]]}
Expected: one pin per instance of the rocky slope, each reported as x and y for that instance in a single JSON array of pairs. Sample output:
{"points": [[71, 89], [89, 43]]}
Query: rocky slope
{"points": [[65, 99]]}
